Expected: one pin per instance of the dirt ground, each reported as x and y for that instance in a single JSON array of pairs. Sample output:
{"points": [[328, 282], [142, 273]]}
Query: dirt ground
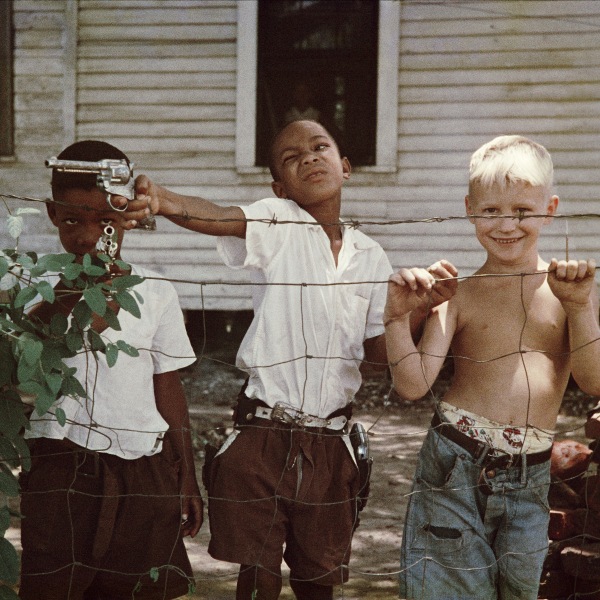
{"points": [[396, 432]]}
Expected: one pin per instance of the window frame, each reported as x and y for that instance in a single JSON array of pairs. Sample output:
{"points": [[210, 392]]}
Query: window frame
{"points": [[7, 129], [386, 142]]}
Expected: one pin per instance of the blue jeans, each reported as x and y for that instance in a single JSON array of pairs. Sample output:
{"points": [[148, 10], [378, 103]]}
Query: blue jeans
{"points": [[461, 544]]}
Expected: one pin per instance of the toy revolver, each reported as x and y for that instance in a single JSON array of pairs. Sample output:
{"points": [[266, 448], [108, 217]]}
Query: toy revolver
{"points": [[114, 177]]}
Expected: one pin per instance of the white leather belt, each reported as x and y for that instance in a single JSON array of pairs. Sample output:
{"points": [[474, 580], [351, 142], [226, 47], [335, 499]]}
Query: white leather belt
{"points": [[288, 414]]}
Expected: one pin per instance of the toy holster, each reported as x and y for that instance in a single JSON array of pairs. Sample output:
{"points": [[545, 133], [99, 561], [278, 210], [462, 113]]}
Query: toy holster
{"points": [[360, 443]]}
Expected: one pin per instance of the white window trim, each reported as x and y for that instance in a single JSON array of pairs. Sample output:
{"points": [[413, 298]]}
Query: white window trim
{"points": [[387, 88]]}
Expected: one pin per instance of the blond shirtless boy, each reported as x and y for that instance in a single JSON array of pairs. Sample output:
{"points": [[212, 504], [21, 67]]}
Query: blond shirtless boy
{"points": [[477, 520]]}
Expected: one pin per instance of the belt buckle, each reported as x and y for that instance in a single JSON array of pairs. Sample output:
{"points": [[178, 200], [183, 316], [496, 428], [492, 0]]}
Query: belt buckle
{"points": [[278, 413]]}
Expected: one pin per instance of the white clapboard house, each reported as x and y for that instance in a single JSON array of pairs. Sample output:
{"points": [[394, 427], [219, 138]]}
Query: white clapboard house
{"points": [[192, 90]]}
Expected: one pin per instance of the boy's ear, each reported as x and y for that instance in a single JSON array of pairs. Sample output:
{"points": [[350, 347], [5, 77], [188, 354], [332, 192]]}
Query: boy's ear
{"points": [[51, 210], [278, 189], [469, 209], [346, 168], [551, 208]]}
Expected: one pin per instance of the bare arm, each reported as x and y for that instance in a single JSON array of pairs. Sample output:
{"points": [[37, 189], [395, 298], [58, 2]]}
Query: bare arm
{"points": [[444, 288], [414, 368], [572, 282], [171, 404], [192, 213]]}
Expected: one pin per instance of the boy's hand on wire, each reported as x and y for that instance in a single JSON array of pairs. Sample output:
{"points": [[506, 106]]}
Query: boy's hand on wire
{"points": [[571, 281], [408, 290], [446, 285]]}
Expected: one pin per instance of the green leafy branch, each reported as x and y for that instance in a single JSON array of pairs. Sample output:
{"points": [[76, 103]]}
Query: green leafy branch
{"points": [[33, 353]]}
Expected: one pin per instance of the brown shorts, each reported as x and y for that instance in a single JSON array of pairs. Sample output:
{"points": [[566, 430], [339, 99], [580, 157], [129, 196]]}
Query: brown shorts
{"points": [[274, 486], [97, 526]]}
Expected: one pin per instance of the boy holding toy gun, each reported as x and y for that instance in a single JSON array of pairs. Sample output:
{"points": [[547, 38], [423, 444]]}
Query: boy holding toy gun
{"points": [[288, 475], [112, 492]]}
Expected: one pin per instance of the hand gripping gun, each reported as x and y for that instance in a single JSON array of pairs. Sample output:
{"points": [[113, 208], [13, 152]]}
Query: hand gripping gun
{"points": [[114, 177]]}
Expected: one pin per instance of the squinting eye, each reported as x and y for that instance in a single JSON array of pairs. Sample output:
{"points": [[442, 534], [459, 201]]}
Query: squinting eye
{"points": [[322, 146], [70, 221]]}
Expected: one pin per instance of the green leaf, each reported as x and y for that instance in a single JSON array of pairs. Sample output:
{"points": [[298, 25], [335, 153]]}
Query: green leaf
{"points": [[127, 302], [31, 350], [112, 352], [72, 387], [7, 593], [27, 260], [7, 325], [72, 271], [45, 290], [8, 454], [74, 341], [94, 271], [4, 519], [126, 281], [3, 266], [61, 417], [23, 451], [111, 319], [9, 486], [12, 417], [7, 362], [82, 314], [14, 225], [25, 295], [25, 371], [55, 262], [54, 382], [44, 401], [59, 324], [95, 300], [9, 562], [125, 347], [95, 341], [154, 573], [122, 265]]}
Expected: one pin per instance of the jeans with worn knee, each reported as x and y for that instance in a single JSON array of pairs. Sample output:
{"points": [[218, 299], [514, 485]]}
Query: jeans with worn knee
{"points": [[464, 541]]}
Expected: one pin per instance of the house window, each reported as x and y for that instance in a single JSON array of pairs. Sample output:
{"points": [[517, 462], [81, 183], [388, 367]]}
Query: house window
{"points": [[317, 59], [6, 79], [388, 54]]}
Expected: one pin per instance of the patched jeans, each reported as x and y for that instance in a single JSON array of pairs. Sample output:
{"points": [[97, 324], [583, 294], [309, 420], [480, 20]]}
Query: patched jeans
{"points": [[460, 543]]}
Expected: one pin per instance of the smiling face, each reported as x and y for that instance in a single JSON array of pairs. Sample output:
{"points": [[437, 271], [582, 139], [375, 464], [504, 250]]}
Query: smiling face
{"points": [[506, 228], [79, 228], [307, 165]]}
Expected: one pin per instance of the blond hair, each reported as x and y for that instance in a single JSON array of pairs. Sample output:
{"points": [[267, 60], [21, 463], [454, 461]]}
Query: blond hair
{"points": [[509, 159]]}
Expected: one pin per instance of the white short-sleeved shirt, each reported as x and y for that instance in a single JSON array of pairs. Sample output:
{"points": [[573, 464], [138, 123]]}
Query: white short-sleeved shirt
{"points": [[327, 322], [120, 415]]}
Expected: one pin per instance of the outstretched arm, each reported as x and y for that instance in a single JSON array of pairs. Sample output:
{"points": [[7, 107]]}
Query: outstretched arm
{"points": [[573, 283], [414, 368], [171, 404], [192, 213]]}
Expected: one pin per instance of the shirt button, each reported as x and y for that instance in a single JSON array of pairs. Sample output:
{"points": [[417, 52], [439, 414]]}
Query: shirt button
{"points": [[249, 416]]}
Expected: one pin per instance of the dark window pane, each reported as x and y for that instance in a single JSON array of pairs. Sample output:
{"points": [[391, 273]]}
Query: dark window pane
{"points": [[317, 59]]}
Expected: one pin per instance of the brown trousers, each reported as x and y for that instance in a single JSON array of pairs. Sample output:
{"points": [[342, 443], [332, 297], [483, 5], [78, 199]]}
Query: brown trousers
{"points": [[98, 527]]}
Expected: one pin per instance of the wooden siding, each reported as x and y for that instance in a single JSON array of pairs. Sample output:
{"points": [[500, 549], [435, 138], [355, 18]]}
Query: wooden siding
{"points": [[158, 79]]}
